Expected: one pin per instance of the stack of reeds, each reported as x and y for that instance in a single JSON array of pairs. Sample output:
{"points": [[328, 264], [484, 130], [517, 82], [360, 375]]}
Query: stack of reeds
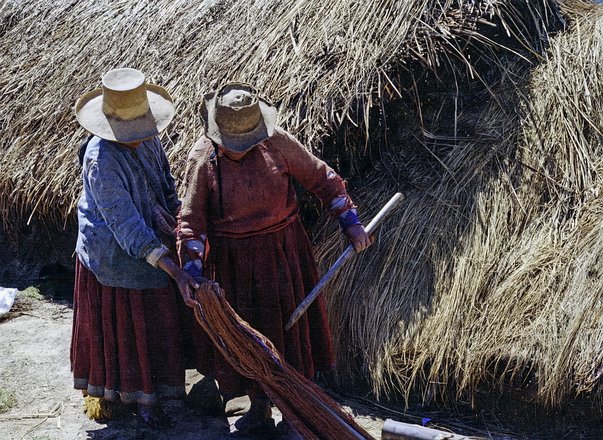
{"points": [[491, 275]]}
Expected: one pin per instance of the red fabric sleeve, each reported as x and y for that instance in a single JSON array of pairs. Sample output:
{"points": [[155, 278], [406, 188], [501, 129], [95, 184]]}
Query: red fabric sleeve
{"points": [[312, 173], [192, 221]]}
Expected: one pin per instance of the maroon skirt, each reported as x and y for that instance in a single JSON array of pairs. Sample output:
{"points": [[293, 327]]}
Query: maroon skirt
{"points": [[130, 344], [265, 277]]}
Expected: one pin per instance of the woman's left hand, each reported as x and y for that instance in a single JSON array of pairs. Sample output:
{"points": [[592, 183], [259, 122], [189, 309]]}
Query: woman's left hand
{"points": [[187, 286], [186, 283], [358, 237]]}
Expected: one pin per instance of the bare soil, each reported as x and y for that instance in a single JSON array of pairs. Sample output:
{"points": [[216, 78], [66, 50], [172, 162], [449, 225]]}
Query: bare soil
{"points": [[34, 367], [34, 364]]}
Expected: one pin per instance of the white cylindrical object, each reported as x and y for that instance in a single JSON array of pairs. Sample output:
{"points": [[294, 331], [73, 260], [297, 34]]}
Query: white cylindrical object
{"points": [[393, 430], [7, 299]]}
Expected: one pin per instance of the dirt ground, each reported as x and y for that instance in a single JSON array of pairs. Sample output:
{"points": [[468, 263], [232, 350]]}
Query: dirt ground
{"points": [[34, 365], [34, 371]]}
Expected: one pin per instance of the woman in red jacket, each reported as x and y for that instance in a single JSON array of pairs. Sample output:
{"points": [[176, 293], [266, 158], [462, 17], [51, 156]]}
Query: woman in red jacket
{"points": [[240, 218]]}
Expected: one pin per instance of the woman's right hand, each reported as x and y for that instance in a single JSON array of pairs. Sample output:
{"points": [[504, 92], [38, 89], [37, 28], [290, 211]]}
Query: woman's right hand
{"points": [[187, 286], [358, 237]]}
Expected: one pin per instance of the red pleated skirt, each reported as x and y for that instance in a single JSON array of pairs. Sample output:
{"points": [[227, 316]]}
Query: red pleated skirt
{"points": [[131, 344], [265, 277]]}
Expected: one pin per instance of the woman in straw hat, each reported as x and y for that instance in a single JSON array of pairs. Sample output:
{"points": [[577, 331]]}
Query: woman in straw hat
{"points": [[128, 331], [240, 200]]}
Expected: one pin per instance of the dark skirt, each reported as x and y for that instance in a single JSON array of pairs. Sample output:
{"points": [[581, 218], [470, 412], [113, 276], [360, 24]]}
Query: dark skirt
{"points": [[128, 343], [265, 277]]}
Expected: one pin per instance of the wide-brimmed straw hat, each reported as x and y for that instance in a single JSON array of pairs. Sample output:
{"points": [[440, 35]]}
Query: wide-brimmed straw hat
{"points": [[236, 117], [126, 108]]}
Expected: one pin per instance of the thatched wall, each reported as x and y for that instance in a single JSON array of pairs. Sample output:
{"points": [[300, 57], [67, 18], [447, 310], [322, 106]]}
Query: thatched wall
{"points": [[324, 63], [491, 275]]}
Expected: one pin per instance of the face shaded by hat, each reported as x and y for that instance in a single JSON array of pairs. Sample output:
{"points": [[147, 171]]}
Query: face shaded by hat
{"points": [[236, 118], [125, 109]]}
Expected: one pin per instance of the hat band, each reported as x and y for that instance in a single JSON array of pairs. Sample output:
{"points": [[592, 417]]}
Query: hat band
{"points": [[125, 105]]}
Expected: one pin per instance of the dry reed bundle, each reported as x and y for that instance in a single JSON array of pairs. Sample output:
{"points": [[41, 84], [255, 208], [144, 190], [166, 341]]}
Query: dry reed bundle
{"points": [[492, 275], [99, 409], [323, 62], [305, 405]]}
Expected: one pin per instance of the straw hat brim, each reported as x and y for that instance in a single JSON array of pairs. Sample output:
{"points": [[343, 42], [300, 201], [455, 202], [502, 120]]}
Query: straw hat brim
{"points": [[239, 142], [89, 113]]}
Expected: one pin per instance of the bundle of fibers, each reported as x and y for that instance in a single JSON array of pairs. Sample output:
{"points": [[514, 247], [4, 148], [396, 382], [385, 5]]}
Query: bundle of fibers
{"points": [[305, 405], [102, 410]]}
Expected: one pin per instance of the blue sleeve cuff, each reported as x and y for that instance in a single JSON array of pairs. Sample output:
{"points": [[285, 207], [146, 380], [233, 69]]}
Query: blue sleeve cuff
{"points": [[348, 218]]}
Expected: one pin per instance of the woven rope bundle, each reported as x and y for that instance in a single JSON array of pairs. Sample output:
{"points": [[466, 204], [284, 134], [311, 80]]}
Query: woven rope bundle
{"points": [[306, 406]]}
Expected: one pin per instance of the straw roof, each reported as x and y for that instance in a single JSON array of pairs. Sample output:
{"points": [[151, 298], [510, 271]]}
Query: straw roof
{"points": [[491, 275], [324, 63]]}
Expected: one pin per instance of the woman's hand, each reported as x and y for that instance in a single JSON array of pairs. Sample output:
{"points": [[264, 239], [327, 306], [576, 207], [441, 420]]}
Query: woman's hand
{"points": [[358, 237], [187, 286], [186, 283]]}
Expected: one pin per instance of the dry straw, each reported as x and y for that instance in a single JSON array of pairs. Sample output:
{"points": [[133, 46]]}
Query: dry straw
{"points": [[320, 61], [492, 275]]}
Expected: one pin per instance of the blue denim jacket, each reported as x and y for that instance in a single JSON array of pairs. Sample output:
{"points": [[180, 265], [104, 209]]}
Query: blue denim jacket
{"points": [[115, 211]]}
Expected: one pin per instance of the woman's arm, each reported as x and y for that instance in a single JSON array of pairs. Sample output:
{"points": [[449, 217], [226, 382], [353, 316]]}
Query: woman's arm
{"points": [[114, 201], [129, 227], [321, 180], [192, 221]]}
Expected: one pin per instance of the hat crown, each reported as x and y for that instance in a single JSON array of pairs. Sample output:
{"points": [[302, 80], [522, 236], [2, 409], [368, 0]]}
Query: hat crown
{"points": [[125, 94], [123, 79], [237, 117], [237, 98], [238, 109]]}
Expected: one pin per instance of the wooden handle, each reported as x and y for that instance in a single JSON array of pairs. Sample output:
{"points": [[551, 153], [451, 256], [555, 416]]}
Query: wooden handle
{"points": [[346, 255]]}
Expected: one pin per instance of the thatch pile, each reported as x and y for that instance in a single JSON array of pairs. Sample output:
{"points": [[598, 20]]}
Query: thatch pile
{"points": [[324, 63], [492, 273]]}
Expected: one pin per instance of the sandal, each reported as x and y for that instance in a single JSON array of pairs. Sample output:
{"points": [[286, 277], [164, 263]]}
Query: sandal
{"points": [[258, 418], [154, 416]]}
